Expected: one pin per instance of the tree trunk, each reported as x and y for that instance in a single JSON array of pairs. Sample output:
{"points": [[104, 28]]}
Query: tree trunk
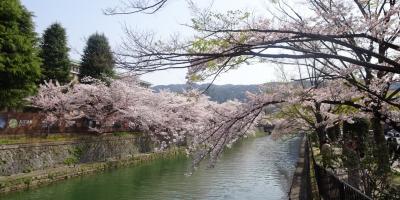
{"points": [[321, 132], [321, 136], [381, 152]]}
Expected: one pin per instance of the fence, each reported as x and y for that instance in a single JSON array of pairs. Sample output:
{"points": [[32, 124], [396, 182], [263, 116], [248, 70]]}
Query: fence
{"points": [[14, 123], [31, 123], [331, 188]]}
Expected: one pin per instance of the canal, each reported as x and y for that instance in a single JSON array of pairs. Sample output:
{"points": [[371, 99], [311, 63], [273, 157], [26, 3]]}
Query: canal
{"points": [[255, 168]]}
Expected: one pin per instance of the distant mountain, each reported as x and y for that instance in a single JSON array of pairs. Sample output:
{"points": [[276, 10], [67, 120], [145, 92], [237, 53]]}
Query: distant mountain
{"points": [[218, 93], [222, 93]]}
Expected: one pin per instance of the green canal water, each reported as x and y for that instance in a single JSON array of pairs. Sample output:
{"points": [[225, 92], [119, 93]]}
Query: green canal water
{"points": [[256, 168]]}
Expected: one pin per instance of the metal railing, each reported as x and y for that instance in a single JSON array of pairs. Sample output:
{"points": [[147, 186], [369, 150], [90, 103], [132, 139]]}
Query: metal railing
{"points": [[331, 188]]}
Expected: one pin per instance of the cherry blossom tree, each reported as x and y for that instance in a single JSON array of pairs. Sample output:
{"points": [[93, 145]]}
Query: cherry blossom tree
{"points": [[356, 41], [349, 50], [169, 118], [207, 127]]}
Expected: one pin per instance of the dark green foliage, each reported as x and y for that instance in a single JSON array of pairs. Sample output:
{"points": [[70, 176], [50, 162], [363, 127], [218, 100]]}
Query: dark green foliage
{"points": [[19, 61], [333, 132], [97, 61], [356, 132], [54, 53], [359, 128]]}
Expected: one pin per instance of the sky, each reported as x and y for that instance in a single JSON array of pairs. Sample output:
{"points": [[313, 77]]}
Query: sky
{"points": [[81, 18]]}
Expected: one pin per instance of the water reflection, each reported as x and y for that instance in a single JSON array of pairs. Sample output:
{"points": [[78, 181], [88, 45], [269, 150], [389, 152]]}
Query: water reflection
{"points": [[257, 168]]}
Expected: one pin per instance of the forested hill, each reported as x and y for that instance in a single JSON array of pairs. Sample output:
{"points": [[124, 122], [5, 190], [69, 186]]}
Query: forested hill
{"points": [[219, 93], [222, 93]]}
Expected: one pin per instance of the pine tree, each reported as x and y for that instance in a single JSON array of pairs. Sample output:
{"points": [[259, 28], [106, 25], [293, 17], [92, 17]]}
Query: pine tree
{"points": [[19, 60], [54, 53], [97, 60]]}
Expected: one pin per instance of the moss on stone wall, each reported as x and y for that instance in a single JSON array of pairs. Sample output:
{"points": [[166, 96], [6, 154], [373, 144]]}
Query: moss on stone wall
{"points": [[24, 158], [33, 164], [43, 177]]}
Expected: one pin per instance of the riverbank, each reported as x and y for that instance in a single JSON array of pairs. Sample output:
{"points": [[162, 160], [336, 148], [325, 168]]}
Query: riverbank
{"points": [[30, 165], [253, 168]]}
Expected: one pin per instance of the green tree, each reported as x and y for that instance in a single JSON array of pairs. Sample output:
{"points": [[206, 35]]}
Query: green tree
{"points": [[19, 60], [54, 52], [97, 60]]}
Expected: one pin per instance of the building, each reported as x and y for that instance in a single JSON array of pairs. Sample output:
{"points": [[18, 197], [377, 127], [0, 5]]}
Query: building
{"points": [[74, 71]]}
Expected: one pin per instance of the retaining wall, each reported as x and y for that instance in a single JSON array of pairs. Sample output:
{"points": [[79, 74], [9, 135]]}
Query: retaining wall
{"points": [[29, 165]]}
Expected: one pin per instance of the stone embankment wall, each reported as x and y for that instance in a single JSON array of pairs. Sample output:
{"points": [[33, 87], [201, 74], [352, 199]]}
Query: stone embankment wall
{"points": [[25, 166], [301, 188], [24, 158]]}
